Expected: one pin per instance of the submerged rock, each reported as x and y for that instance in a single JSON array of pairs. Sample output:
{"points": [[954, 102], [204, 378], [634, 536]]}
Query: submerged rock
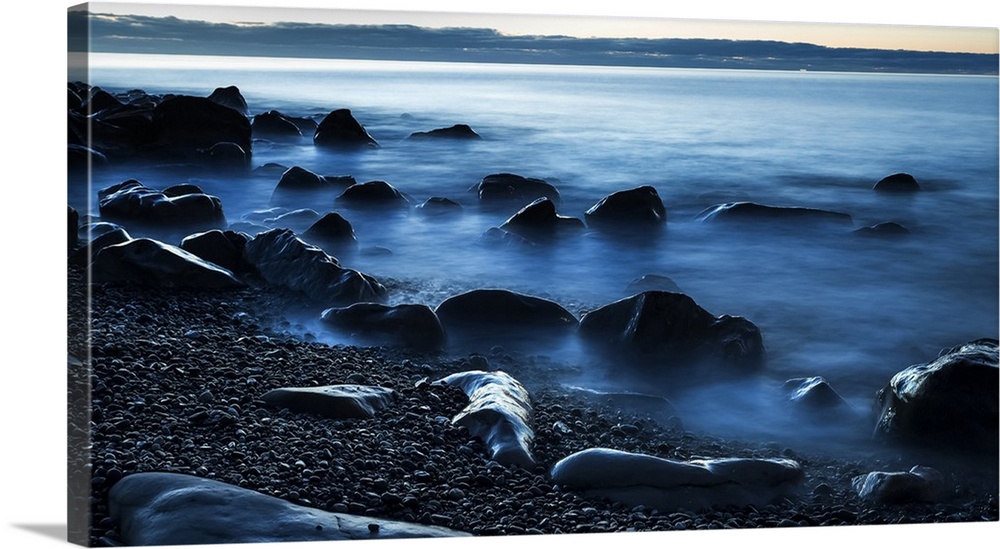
{"points": [[437, 205], [374, 194], [495, 237], [952, 402], [639, 479], [759, 213], [886, 229], [230, 97], [539, 220], [897, 183], [499, 413], [175, 509], [414, 326], [919, 484], [332, 401], [274, 125], [502, 313], [508, 186], [458, 131], [664, 331], [341, 130], [813, 393], [146, 262], [639, 206]]}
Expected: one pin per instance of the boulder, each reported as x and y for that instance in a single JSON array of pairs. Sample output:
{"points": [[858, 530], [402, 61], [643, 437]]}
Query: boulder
{"points": [[340, 130], [495, 237], [886, 229], [283, 259], [783, 216], [502, 314], [414, 326], [512, 187], [635, 207], [919, 484], [298, 184], [182, 189], [274, 125], [294, 218], [539, 221], [173, 509], [649, 282], [897, 183], [230, 97], [226, 156], [813, 393], [222, 248], [499, 413], [86, 254], [186, 125], [458, 131], [334, 231], [133, 201], [146, 262], [373, 194], [668, 485], [81, 159], [437, 205], [669, 331], [951, 402], [332, 401]]}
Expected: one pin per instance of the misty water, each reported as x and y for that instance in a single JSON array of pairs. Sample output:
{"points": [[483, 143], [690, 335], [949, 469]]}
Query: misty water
{"points": [[828, 303]]}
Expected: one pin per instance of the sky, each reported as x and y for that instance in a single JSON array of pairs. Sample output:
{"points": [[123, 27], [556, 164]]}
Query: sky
{"points": [[962, 27]]}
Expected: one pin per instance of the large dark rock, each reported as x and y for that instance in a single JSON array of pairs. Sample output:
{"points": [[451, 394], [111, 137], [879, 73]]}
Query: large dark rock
{"points": [[222, 248], [230, 97], [437, 205], [458, 131], [132, 201], [175, 509], [82, 159], [951, 402], [298, 178], [340, 130], [649, 282], [502, 313], [225, 156], [539, 221], [763, 215], [332, 231], [668, 485], [639, 206], [814, 394], [499, 413], [298, 185], [373, 194], [897, 183], [414, 326], [146, 262], [664, 331], [918, 485], [284, 260], [98, 241], [512, 187], [188, 125], [274, 125], [332, 401]]}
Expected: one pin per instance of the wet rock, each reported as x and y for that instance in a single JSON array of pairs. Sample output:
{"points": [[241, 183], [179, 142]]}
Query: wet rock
{"points": [[664, 331], [333, 231], [639, 479], [458, 131], [887, 229], [495, 237], [274, 125], [502, 313], [640, 206], [283, 259], [649, 282], [226, 156], [513, 187], [813, 393], [298, 178], [82, 159], [897, 183], [332, 401], [540, 221], [174, 509], [146, 262], [499, 413], [437, 205], [375, 194], [86, 254], [182, 189], [341, 130], [950, 402], [919, 484], [223, 248], [293, 218], [133, 201], [230, 97], [186, 125], [405, 325], [786, 216]]}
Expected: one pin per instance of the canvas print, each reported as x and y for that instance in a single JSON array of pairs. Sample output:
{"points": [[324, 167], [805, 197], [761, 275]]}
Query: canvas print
{"points": [[364, 275]]}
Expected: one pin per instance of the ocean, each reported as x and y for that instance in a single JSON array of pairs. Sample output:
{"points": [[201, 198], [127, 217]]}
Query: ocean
{"points": [[853, 310]]}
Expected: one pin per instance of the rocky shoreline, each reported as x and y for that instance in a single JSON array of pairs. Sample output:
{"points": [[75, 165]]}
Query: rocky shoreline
{"points": [[177, 378]]}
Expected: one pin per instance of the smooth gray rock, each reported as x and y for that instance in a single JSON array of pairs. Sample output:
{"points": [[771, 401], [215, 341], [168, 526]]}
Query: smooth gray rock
{"points": [[919, 484], [147, 262], [499, 413], [174, 509], [406, 325], [639, 479], [950, 402], [332, 401]]}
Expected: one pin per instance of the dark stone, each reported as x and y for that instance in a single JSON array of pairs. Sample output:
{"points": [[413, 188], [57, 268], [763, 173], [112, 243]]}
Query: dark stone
{"points": [[649, 282], [502, 313], [81, 159], [174, 509], [539, 220], [297, 182], [100, 101], [334, 231], [759, 213], [639, 206], [458, 131], [340, 130], [668, 331], [270, 169], [897, 183], [887, 229], [437, 205], [332, 401], [413, 326], [182, 189], [72, 225], [951, 402], [499, 238], [226, 156], [132, 201], [373, 194], [919, 484], [187, 125], [274, 125], [85, 254], [146, 262], [813, 393], [301, 216], [283, 259], [222, 248], [508, 186], [232, 98]]}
